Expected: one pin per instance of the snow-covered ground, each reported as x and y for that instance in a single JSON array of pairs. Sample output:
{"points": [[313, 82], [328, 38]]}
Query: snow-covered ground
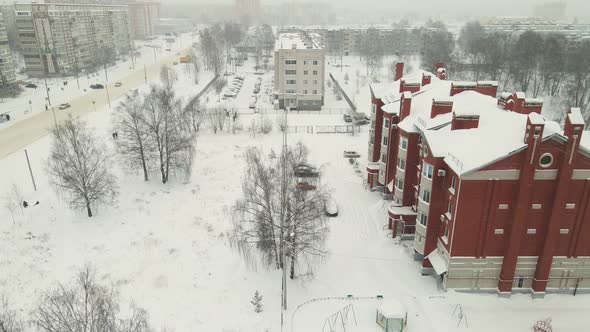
{"points": [[166, 246]]}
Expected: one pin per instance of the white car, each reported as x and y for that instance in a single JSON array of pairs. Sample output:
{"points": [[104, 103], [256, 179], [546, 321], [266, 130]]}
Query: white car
{"points": [[331, 208]]}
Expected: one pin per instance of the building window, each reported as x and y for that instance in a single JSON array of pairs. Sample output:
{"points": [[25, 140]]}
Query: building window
{"points": [[290, 72], [384, 140], [503, 206], [315, 82], [386, 123], [546, 160], [383, 157], [401, 163], [564, 231], [304, 81], [305, 72], [531, 231], [424, 195], [446, 236], [570, 206], [422, 218], [315, 92], [499, 231], [315, 62], [536, 206], [290, 90], [291, 81], [453, 184], [403, 143], [290, 62], [450, 209], [304, 92], [315, 72], [427, 170], [372, 139], [399, 183]]}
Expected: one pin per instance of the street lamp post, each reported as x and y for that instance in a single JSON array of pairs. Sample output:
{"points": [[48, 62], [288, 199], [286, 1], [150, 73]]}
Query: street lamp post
{"points": [[108, 96], [54, 118], [94, 105], [30, 106]]}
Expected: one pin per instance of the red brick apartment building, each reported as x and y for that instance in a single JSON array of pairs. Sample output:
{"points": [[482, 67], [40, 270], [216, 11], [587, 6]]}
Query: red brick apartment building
{"points": [[493, 195]]}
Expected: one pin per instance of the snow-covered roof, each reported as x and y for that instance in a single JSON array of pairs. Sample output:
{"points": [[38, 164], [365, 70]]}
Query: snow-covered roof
{"points": [[296, 40], [536, 118], [380, 90], [391, 308], [533, 100], [585, 141], [465, 84], [575, 116], [401, 210], [520, 95], [487, 83], [422, 105], [499, 134], [505, 95]]}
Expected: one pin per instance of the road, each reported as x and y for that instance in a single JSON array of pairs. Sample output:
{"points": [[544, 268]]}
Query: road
{"points": [[30, 130]]}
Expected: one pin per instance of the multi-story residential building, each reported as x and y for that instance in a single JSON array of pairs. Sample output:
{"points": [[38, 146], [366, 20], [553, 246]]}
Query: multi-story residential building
{"points": [[493, 194], [7, 11], [143, 18], [7, 72], [299, 71], [63, 39]]}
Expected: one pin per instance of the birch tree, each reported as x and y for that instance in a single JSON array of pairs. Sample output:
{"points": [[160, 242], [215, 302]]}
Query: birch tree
{"points": [[79, 166], [10, 321]]}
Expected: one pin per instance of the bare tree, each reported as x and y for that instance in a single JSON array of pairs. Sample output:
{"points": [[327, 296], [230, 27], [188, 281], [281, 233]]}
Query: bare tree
{"points": [[133, 143], [165, 122], [216, 118], [13, 202], [86, 306], [277, 215], [9, 318], [79, 166], [168, 76], [196, 115], [194, 61]]}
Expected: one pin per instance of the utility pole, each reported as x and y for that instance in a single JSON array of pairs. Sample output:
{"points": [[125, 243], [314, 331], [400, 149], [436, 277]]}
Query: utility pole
{"points": [[108, 96], [54, 118], [145, 74], [30, 170]]}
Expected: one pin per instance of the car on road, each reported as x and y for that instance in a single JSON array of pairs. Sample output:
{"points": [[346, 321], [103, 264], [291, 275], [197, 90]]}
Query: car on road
{"points": [[259, 72], [306, 171], [30, 86], [351, 154], [64, 106], [347, 118], [252, 103], [118, 84], [331, 208], [256, 90], [361, 122], [97, 86], [4, 117]]}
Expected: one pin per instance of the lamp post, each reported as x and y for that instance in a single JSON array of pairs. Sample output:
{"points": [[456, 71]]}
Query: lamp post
{"points": [[108, 96], [30, 106], [94, 105]]}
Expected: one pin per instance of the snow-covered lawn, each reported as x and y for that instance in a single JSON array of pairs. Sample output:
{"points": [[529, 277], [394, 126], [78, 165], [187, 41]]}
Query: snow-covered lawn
{"points": [[166, 247]]}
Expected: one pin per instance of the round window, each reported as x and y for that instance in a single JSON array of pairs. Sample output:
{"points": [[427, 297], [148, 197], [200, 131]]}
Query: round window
{"points": [[546, 160], [425, 151]]}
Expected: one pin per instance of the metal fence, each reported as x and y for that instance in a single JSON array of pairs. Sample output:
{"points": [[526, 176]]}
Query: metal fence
{"points": [[271, 111]]}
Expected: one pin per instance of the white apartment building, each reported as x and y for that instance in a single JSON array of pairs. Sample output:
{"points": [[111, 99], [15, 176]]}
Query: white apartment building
{"points": [[7, 73], [63, 39], [299, 71], [143, 18]]}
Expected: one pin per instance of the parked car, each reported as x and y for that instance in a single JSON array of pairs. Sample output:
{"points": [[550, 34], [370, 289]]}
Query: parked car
{"points": [[118, 84], [347, 118], [64, 106], [361, 122], [305, 186], [4, 117], [97, 86], [331, 208], [30, 86], [306, 171], [351, 154], [256, 90], [259, 72]]}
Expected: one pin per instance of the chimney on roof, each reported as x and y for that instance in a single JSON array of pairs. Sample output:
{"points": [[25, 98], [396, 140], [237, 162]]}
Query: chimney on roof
{"points": [[518, 102], [426, 79], [458, 87], [399, 71], [534, 130], [488, 88], [408, 86], [574, 123], [525, 105], [405, 105], [440, 71], [464, 121], [440, 107]]}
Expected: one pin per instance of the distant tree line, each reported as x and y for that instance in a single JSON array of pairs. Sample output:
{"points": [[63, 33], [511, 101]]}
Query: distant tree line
{"points": [[534, 63]]}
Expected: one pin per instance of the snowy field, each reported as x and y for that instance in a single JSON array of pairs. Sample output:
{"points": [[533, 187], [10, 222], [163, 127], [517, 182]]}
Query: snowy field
{"points": [[166, 246]]}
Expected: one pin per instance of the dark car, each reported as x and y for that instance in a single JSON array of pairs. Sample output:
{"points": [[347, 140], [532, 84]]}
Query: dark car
{"points": [[97, 86], [347, 118], [361, 122], [30, 86], [351, 154], [64, 106], [331, 208], [306, 171], [4, 117]]}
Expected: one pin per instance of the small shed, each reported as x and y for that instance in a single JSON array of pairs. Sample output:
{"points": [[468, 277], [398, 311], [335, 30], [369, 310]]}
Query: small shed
{"points": [[391, 316]]}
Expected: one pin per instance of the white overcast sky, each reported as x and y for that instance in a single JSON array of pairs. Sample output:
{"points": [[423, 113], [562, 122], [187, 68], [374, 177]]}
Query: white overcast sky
{"points": [[432, 7]]}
